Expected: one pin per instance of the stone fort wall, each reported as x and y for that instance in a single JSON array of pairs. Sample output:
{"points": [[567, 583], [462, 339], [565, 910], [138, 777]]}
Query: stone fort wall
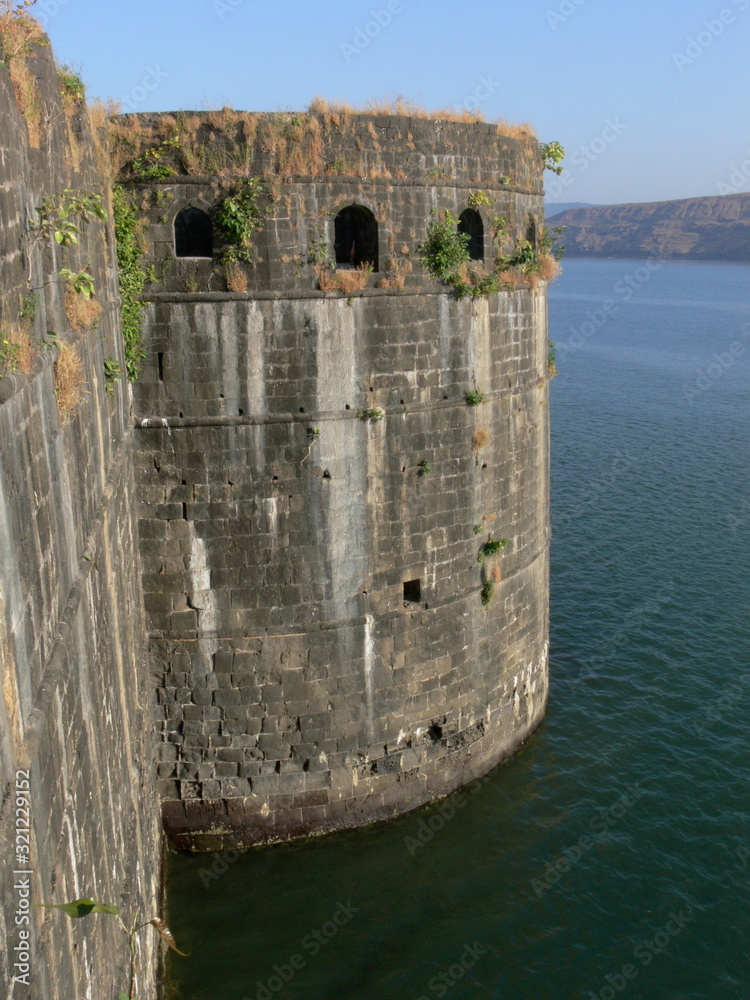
{"points": [[322, 654], [78, 815], [319, 653]]}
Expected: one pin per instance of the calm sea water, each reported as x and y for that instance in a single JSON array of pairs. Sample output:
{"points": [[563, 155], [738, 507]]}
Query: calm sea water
{"points": [[611, 856]]}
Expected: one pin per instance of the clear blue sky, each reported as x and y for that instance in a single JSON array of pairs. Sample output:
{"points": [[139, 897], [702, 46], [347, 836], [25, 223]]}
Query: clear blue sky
{"points": [[677, 110]]}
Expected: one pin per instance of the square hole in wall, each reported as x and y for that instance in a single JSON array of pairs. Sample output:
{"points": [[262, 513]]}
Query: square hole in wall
{"points": [[413, 591]]}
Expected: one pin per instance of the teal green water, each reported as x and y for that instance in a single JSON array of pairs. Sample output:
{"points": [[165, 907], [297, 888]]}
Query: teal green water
{"points": [[611, 856]]}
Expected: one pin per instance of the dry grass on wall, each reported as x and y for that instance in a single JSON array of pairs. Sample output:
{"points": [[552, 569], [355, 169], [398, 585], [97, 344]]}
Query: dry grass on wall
{"points": [[70, 383], [549, 267], [82, 313], [16, 350], [408, 109], [479, 440], [235, 278], [397, 271], [225, 142], [346, 280], [18, 34]]}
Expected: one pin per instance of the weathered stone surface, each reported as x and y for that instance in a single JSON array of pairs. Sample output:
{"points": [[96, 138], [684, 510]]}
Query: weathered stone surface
{"points": [[302, 523], [74, 715]]}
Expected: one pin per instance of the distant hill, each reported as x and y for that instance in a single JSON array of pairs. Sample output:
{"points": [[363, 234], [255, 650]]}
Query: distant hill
{"points": [[551, 210], [690, 229]]}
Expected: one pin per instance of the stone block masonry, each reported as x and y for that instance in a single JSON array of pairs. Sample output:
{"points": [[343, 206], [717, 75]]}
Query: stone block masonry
{"points": [[78, 815], [322, 654], [323, 644]]}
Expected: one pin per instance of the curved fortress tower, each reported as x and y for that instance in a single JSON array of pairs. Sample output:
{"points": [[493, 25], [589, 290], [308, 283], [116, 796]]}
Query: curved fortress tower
{"points": [[316, 489]]}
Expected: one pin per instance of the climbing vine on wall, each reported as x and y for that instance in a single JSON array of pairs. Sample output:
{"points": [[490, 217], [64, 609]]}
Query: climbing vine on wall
{"points": [[133, 278]]}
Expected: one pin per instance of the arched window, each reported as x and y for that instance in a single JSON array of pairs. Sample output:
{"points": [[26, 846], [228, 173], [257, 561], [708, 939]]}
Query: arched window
{"points": [[193, 234], [356, 237], [470, 223]]}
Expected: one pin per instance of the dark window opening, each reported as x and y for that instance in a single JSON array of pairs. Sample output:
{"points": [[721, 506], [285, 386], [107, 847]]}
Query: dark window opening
{"points": [[413, 591], [356, 237], [193, 234], [470, 224]]}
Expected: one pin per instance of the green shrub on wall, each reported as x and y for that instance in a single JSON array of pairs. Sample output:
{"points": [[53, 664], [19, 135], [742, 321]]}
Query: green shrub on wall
{"points": [[241, 215], [445, 249]]}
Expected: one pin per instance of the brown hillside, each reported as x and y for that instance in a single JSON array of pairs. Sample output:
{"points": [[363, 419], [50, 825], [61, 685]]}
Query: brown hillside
{"points": [[691, 229]]}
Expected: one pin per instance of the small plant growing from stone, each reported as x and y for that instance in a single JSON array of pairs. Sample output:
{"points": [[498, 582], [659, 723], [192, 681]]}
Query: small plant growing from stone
{"points": [[49, 342], [445, 249], [491, 548], [16, 349], [552, 154], [29, 309], [9, 356], [72, 86], [151, 165], [79, 908], [313, 433], [478, 529], [318, 253], [474, 397], [424, 468], [240, 216], [479, 198], [80, 281], [113, 372], [63, 218], [488, 588], [374, 415], [82, 310], [551, 358]]}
